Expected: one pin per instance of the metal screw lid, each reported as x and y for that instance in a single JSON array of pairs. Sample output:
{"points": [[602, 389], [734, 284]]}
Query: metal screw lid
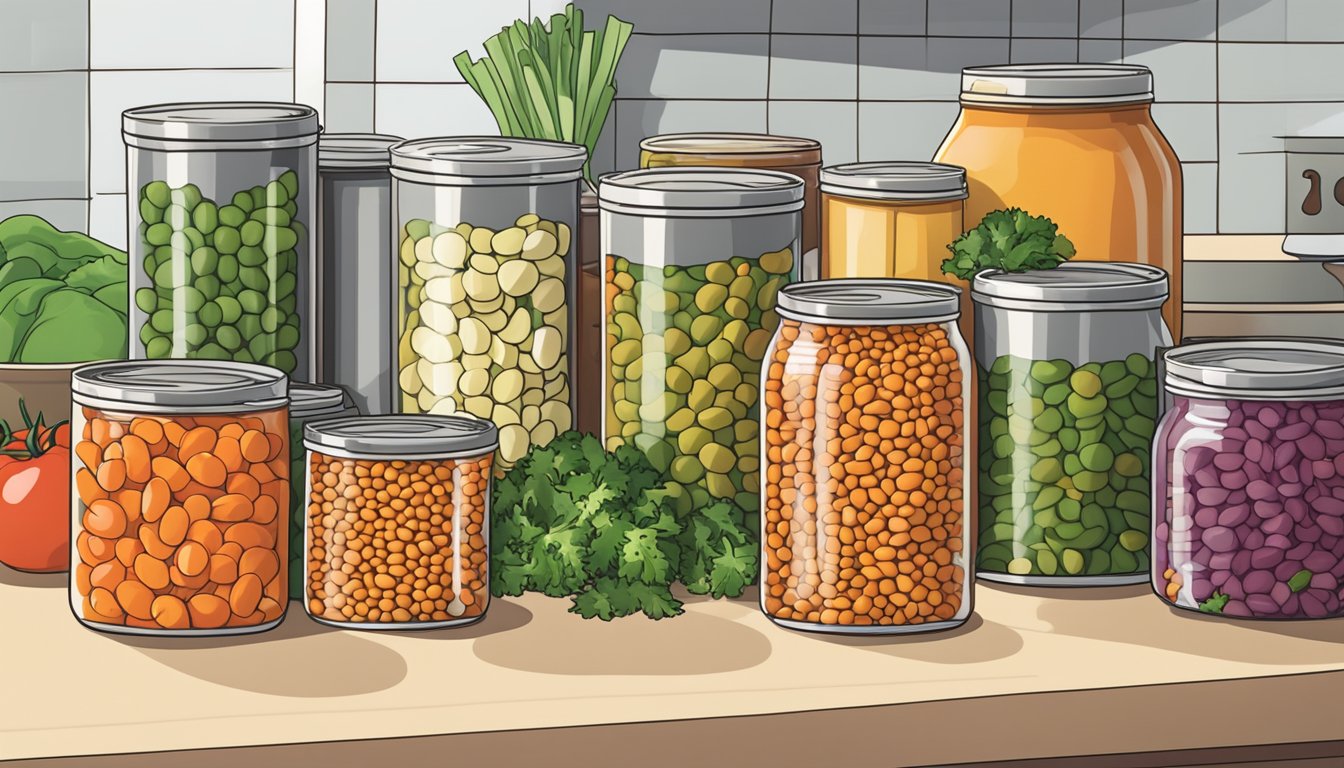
{"points": [[728, 144], [700, 192], [897, 180], [185, 385], [1257, 368], [487, 160], [309, 400], [423, 436], [211, 121], [870, 301], [354, 151], [1057, 84], [1074, 285]]}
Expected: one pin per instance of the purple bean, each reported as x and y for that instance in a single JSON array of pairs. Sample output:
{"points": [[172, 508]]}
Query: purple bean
{"points": [[1266, 557], [1232, 517], [1309, 534], [1312, 607], [1261, 605], [1287, 569], [1278, 541], [1236, 608], [1219, 538], [1280, 523], [1258, 582], [1206, 517], [1319, 561], [1280, 593], [1258, 490], [1291, 433], [1267, 509], [1228, 461]]}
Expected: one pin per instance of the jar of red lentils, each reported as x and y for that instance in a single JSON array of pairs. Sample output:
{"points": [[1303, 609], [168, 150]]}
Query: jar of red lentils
{"points": [[181, 486], [864, 450], [398, 524]]}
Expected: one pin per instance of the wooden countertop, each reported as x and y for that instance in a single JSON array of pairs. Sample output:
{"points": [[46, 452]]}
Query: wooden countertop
{"points": [[1143, 675]]}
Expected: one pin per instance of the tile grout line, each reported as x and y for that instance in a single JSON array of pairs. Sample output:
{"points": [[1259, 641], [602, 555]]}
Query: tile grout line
{"points": [[373, 108], [1217, 125], [88, 120], [858, 74], [769, 61]]}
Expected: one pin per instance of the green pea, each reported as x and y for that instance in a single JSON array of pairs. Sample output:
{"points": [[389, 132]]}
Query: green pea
{"points": [[254, 278], [158, 348], [270, 319], [204, 260], [1096, 457], [146, 300], [1050, 371], [1086, 384], [227, 239], [252, 232], [287, 337], [226, 268], [157, 193], [229, 308], [252, 301], [1138, 364], [188, 196]]}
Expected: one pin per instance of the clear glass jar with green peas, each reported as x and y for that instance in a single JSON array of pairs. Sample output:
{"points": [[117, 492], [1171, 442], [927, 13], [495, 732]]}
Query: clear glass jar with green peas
{"points": [[1068, 402], [694, 261], [220, 201]]}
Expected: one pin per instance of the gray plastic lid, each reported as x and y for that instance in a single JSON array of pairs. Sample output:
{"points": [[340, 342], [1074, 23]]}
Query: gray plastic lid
{"points": [[1074, 286], [480, 159], [870, 301], [1057, 84], [180, 385], [700, 192], [897, 180], [728, 144], [212, 121], [1257, 368], [308, 400], [426, 436], [354, 151]]}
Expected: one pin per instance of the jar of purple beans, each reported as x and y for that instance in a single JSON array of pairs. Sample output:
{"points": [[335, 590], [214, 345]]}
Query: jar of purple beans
{"points": [[1248, 479]]}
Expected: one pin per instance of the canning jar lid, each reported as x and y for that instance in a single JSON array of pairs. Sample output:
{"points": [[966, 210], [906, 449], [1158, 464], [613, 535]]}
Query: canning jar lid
{"points": [[1057, 84], [409, 436], [896, 180], [487, 160], [308, 400], [870, 301], [1074, 286], [197, 386], [354, 151], [700, 192], [1257, 369], [754, 146], [273, 124]]}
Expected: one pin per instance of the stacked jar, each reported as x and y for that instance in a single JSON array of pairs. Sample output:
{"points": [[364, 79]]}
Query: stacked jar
{"points": [[181, 479], [694, 261], [398, 523], [485, 239], [1068, 403], [220, 198], [355, 278], [1248, 480], [307, 402], [866, 420]]}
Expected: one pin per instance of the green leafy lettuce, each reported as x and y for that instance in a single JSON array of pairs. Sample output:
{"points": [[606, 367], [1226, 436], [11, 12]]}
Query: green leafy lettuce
{"points": [[1012, 240]]}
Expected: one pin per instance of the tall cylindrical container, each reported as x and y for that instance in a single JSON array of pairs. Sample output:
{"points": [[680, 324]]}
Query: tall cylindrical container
{"points": [[356, 277], [487, 278], [220, 210]]}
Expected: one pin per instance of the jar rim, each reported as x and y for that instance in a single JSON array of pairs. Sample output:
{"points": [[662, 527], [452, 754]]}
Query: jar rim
{"points": [[355, 151], [700, 191], [217, 121], [1263, 367], [870, 301], [1057, 84], [896, 180], [728, 143], [402, 436], [308, 400], [487, 157], [180, 385], [1078, 285]]}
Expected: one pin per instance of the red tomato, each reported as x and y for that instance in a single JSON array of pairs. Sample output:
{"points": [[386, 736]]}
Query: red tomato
{"points": [[35, 511]]}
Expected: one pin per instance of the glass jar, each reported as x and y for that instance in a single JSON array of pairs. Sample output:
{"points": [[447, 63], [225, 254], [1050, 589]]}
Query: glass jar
{"points": [[485, 236], [355, 279], [307, 402], [866, 437], [1065, 360], [694, 260], [893, 219], [424, 481], [220, 199], [1248, 480], [1077, 144], [181, 476], [788, 154], [588, 401]]}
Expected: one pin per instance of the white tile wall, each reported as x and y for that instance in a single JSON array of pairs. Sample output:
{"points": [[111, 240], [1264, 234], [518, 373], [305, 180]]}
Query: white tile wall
{"points": [[162, 34], [727, 66], [1045, 18], [349, 48], [44, 35], [903, 130], [834, 124], [637, 119], [425, 109], [62, 214], [814, 67], [811, 17], [417, 40], [1277, 72], [348, 108], [1167, 20], [892, 17], [1182, 71], [42, 147], [107, 219]]}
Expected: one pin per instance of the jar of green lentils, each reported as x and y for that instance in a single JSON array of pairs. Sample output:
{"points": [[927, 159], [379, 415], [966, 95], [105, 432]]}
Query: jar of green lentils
{"points": [[1067, 404], [694, 259], [307, 403]]}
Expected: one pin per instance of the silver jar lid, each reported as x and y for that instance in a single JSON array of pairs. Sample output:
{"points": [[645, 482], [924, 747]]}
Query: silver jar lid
{"points": [[354, 151], [896, 180], [175, 386], [700, 192], [267, 123], [487, 160], [728, 144], [1257, 369], [309, 400], [1057, 84], [1074, 286], [872, 301], [405, 436]]}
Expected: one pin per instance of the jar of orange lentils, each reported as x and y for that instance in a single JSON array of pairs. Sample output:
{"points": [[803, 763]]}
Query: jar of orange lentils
{"points": [[181, 485], [398, 524], [864, 450]]}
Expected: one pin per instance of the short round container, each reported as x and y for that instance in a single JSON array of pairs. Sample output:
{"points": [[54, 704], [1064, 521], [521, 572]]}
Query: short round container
{"points": [[398, 528], [307, 402], [1248, 479], [181, 482], [220, 208], [695, 258], [487, 280], [789, 154], [866, 420], [1068, 403], [356, 270]]}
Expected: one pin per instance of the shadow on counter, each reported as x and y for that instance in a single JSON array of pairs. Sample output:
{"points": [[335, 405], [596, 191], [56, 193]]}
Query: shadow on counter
{"points": [[16, 578], [974, 642]]}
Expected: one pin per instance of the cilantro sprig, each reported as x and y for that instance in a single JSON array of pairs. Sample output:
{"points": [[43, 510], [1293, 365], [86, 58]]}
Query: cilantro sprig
{"points": [[1012, 240], [607, 529]]}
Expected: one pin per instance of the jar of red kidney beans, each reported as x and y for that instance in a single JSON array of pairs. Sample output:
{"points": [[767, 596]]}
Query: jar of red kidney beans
{"points": [[1248, 482]]}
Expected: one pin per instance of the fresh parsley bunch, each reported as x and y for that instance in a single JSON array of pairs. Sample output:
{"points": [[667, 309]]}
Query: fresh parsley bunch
{"points": [[608, 530], [1011, 240]]}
